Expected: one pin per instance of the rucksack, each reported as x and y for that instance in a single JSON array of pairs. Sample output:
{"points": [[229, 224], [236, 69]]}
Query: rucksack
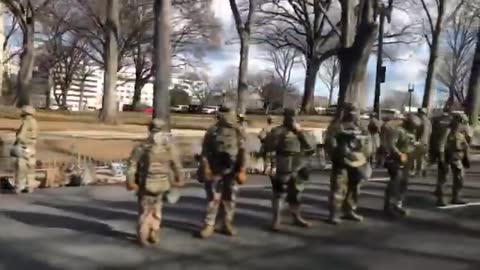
{"points": [[154, 169], [225, 146]]}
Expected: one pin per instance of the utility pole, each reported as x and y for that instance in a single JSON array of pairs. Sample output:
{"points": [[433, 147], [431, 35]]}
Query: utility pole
{"points": [[411, 89], [384, 13], [162, 62]]}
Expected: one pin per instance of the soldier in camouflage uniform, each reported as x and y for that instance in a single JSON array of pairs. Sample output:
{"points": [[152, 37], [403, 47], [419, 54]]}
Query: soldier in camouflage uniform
{"points": [[154, 171], [423, 137], [292, 148], [455, 149], [374, 127], [440, 126], [268, 157], [348, 145], [24, 151], [400, 150], [223, 165]]}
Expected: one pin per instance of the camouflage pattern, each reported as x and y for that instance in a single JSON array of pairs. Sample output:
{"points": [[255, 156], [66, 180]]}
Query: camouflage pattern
{"points": [[26, 139], [267, 156], [400, 147], [423, 136], [292, 167], [374, 127], [454, 147], [348, 144], [226, 169], [154, 171]]}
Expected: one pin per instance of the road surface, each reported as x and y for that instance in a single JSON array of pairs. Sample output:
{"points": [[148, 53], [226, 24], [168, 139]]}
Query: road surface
{"points": [[93, 228]]}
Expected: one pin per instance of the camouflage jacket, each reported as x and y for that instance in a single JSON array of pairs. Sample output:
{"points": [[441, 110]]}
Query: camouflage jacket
{"points": [[240, 154], [455, 145], [425, 130], [401, 142], [153, 167], [346, 137], [28, 132]]}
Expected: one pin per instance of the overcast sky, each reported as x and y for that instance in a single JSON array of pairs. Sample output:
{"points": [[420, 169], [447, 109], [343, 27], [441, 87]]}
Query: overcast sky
{"points": [[399, 74]]}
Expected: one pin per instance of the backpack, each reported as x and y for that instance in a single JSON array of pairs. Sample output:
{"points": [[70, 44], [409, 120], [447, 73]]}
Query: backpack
{"points": [[154, 169], [225, 147]]}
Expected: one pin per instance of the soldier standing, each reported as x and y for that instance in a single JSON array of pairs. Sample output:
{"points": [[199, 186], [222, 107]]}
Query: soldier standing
{"points": [[268, 157], [374, 127], [223, 164], [423, 137], [24, 151], [154, 171], [348, 143], [291, 148], [455, 149], [400, 148], [440, 129]]}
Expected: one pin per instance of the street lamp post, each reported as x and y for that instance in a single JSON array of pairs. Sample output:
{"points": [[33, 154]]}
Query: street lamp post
{"points": [[411, 89]]}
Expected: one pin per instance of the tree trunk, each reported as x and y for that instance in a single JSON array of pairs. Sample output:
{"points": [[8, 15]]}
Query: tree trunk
{"points": [[357, 42], [330, 95], [2, 40], [427, 96], [242, 91], [108, 112], [81, 106], [310, 80], [137, 93], [50, 88], [473, 99], [24, 77], [162, 62]]}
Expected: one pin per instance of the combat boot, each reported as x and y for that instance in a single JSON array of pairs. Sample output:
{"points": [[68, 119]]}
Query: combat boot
{"points": [[439, 195], [228, 229], [207, 231], [277, 214], [399, 210], [351, 215], [154, 237], [297, 217]]}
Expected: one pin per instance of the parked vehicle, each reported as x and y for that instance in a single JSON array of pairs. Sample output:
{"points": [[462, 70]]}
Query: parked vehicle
{"points": [[194, 108], [179, 108], [393, 113], [210, 109]]}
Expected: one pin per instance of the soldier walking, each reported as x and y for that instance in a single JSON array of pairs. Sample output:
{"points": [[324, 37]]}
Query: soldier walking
{"points": [[154, 171], [423, 137], [267, 156], [24, 151], [374, 127], [292, 148], [349, 148], [455, 149], [223, 165], [400, 148]]}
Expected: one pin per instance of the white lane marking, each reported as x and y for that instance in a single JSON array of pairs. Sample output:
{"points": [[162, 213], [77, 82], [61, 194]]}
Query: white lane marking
{"points": [[452, 206], [379, 179]]}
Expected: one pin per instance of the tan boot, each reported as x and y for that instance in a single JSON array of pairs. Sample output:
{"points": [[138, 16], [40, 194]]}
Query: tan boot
{"points": [[154, 237], [228, 229], [207, 231], [297, 217]]}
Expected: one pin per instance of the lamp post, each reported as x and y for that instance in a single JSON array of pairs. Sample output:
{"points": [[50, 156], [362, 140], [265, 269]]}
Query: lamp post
{"points": [[411, 88]]}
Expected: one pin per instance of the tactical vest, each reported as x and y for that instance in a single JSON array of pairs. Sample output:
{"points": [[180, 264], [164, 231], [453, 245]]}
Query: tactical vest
{"points": [[154, 172], [225, 148], [406, 141], [456, 145], [288, 152], [289, 144]]}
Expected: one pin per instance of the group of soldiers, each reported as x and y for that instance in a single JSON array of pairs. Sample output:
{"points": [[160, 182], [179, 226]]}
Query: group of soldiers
{"points": [[404, 149]]}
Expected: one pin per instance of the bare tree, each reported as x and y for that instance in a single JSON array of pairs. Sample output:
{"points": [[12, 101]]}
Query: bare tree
{"points": [[24, 12], [457, 57], [329, 76], [244, 32], [432, 36]]}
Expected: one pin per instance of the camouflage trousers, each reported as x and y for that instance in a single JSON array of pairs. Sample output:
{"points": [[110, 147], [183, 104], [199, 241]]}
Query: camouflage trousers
{"points": [[344, 191], [149, 218], [421, 159], [268, 163], [288, 188], [220, 193], [458, 173], [397, 185], [25, 174]]}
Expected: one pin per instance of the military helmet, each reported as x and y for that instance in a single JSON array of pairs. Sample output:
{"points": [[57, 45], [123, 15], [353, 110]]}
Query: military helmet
{"points": [[28, 110]]}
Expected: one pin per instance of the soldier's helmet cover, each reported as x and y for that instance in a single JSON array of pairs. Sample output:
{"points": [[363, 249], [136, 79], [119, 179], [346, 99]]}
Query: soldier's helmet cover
{"points": [[28, 110]]}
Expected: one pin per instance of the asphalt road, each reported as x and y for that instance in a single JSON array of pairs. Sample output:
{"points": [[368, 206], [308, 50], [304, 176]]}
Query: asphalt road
{"points": [[93, 228]]}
